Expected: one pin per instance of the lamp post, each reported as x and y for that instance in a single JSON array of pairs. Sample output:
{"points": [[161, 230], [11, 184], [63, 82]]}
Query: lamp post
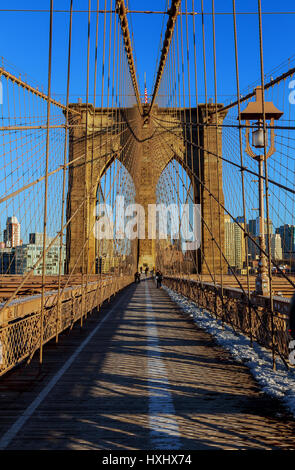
{"points": [[255, 111]]}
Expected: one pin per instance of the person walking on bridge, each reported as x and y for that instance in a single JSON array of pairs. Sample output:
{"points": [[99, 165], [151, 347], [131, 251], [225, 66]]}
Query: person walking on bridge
{"points": [[137, 277], [159, 278]]}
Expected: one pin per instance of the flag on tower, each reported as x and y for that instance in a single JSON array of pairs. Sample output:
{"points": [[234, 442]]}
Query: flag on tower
{"points": [[145, 90]]}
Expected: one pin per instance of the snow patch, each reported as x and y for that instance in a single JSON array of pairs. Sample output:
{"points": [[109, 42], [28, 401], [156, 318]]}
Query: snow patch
{"points": [[279, 383]]}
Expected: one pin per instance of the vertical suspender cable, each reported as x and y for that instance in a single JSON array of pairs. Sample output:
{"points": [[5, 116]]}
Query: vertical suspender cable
{"points": [[46, 184], [64, 174], [266, 183], [242, 166], [217, 151]]}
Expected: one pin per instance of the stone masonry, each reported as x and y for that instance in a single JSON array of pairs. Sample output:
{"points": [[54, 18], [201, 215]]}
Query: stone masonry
{"points": [[149, 144]]}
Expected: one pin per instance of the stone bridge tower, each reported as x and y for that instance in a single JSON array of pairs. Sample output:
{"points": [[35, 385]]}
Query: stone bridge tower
{"points": [[155, 146]]}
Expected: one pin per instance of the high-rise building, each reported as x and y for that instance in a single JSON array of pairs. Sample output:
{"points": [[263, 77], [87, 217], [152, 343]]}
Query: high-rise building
{"points": [[37, 239], [240, 245], [276, 246], [254, 227], [229, 240], [234, 242], [254, 230], [27, 255], [11, 234], [287, 233], [7, 260]]}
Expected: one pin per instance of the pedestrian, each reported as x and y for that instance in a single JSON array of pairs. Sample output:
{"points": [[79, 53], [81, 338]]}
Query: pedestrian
{"points": [[137, 277], [159, 278]]}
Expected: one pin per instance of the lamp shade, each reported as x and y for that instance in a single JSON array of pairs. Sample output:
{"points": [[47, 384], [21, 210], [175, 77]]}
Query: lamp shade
{"points": [[258, 138], [256, 110]]}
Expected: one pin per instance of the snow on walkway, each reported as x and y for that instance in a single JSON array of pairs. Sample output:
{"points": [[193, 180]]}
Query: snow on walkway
{"points": [[279, 383]]}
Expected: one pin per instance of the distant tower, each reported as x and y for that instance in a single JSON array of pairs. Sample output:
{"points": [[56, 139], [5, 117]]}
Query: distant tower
{"points": [[12, 232]]}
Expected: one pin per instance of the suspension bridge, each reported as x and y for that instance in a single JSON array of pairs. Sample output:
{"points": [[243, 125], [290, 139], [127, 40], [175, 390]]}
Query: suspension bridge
{"points": [[164, 183]]}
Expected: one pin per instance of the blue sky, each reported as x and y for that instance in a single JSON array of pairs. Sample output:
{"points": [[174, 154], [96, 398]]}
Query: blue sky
{"points": [[24, 40]]}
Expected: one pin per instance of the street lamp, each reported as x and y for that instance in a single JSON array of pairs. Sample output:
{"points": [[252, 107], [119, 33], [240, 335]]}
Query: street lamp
{"points": [[254, 112]]}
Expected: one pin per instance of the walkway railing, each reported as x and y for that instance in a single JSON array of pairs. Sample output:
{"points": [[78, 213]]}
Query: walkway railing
{"points": [[251, 316], [20, 335]]}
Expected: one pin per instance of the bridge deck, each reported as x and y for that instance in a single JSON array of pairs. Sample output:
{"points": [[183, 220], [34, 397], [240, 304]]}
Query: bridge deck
{"points": [[144, 377]]}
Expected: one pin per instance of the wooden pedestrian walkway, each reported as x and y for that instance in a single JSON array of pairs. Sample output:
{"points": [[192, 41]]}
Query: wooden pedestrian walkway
{"points": [[140, 375]]}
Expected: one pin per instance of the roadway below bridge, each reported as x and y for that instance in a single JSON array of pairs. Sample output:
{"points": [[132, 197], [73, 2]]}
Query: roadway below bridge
{"points": [[139, 375]]}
